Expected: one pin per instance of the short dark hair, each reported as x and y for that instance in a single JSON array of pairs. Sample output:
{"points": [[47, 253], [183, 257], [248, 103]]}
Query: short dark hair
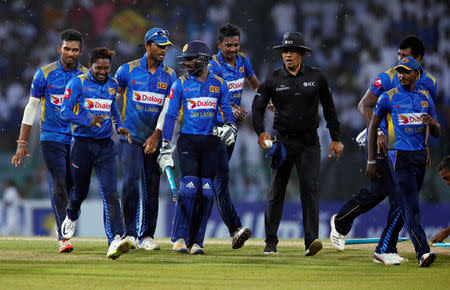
{"points": [[71, 35], [228, 30], [99, 53], [414, 43], [445, 163]]}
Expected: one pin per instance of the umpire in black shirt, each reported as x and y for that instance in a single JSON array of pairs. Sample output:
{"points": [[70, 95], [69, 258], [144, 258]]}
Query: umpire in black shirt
{"points": [[295, 91]]}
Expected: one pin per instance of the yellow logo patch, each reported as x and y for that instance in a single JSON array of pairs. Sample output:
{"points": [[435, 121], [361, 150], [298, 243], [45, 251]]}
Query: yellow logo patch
{"points": [[241, 69], [112, 91], [425, 104], [162, 85], [214, 89], [185, 47]]}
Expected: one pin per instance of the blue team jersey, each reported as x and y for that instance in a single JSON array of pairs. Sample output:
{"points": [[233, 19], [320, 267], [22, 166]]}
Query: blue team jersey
{"points": [[235, 77], [388, 80], [199, 102], [144, 96], [48, 84], [84, 99], [402, 110]]}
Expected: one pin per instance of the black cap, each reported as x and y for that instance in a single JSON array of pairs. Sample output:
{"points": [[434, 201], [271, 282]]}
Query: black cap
{"points": [[293, 39]]}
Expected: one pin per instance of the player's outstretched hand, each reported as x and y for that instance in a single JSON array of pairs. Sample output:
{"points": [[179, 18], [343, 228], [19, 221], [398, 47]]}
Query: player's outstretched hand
{"points": [[152, 142], [22, 150], [97, 121], [165, 157], [124, 132], [337, 147]]}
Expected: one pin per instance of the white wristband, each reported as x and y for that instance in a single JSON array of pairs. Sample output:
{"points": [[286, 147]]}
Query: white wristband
{"points": [[371, 162]]}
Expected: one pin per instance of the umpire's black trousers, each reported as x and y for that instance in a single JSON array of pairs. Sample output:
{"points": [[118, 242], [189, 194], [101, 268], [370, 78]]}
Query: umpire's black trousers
{"points": [[303, 151]]}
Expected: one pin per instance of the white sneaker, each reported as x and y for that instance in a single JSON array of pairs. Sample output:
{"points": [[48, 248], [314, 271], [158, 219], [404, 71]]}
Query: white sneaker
{"points": [[117, 247], [132, 241], [180, 246], [149, 244], [386, 259], [197, 250], [68, 228], [239, 237], [399, 258], [65, 246], [337, 240], [427, 259]]}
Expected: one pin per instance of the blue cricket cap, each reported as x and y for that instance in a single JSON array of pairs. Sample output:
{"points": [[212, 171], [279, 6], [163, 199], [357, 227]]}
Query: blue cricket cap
{"points": [[278, 154], [158, 36], [408, 63]]}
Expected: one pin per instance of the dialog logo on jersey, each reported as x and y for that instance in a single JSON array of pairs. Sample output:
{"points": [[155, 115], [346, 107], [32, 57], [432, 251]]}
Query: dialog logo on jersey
{"points": [[148, 98], [377, 83], [236, 85], [202, 103], [57, 100], [98, 105], [410, 119]]}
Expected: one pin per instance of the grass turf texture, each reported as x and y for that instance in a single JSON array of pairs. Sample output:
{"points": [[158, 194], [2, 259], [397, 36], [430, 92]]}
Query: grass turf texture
{"points": [[35, 263]]}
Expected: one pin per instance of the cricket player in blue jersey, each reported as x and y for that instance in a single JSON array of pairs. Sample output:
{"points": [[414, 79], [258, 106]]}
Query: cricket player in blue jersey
{"points": [[200, 93], [90, 104], [377, 190], [234, 67], [48, 86], [409, 113], [145, 84]]}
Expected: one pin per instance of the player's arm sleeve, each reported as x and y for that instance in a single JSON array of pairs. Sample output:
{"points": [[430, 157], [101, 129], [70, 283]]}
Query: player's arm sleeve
{"points": [[249, 73], [122, 76], [30, 111], [71, 98], [213, 67], [174, 105], [225, 105], [381, 84], [329, 110], [162, 116], [259, 105], [115, 115], [38, 84], [383, 106]]}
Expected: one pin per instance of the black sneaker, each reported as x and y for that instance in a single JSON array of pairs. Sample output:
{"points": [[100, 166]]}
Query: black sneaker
{"points": [[315, 246], [239, 237], [270, 249], [427, 259]]}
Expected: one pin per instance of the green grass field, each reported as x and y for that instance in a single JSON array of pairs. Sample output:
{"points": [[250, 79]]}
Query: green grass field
{"points": [[34, 263]]}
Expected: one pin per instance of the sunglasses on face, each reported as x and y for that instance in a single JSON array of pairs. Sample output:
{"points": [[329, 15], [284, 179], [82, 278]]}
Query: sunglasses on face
{"points": [[160, 33]]}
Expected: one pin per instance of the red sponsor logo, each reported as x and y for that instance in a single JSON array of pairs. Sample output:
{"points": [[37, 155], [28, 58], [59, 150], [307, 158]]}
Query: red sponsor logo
{"points": [[186, 89], [90, 104], [147, 98], [404, 60], [50, 85], [133, 82], [55, 100], [86, 88], [67, 93], [192, 104], [378, 83], [235, 86], [171, 93], [397, 106], [410, 119]]}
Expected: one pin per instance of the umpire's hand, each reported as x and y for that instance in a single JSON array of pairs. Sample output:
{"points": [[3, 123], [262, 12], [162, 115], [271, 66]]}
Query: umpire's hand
{"points": [[262, 138], [337, 147]]}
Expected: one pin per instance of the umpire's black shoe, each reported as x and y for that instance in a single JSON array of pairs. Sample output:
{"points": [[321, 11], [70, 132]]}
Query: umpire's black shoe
{"points": [[315, 247], [270, 249], [239, 237]]}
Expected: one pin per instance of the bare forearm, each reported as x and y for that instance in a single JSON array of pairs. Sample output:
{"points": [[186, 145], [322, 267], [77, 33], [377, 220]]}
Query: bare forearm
{"points": [[24, 131]]}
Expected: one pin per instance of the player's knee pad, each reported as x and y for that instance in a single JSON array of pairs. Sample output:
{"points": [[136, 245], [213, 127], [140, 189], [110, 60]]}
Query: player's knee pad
{"points": [[207, 188], [189, 187]]}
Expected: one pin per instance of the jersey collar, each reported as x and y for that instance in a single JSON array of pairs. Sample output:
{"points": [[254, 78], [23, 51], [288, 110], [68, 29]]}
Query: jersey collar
{"points": [[285, 73], [229, 67]]}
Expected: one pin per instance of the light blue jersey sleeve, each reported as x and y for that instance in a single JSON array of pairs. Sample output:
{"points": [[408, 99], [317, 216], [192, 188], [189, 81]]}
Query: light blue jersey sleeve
{"points": [[383, 106], [71, 99], [175, 99], [122, 75], [38, 84]]}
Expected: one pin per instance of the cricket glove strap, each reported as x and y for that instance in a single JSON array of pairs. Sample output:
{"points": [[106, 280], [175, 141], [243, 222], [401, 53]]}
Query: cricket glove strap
{"points": [[165, 157], [227, 133]]}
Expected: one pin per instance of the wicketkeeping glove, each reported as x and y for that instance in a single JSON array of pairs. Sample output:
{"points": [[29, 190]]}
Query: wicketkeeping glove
{"points": [[227, 133], [165, 157]]}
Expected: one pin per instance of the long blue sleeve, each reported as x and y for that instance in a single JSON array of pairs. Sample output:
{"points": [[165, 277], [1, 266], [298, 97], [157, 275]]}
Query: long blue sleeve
{"points": [[71, 99]]}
